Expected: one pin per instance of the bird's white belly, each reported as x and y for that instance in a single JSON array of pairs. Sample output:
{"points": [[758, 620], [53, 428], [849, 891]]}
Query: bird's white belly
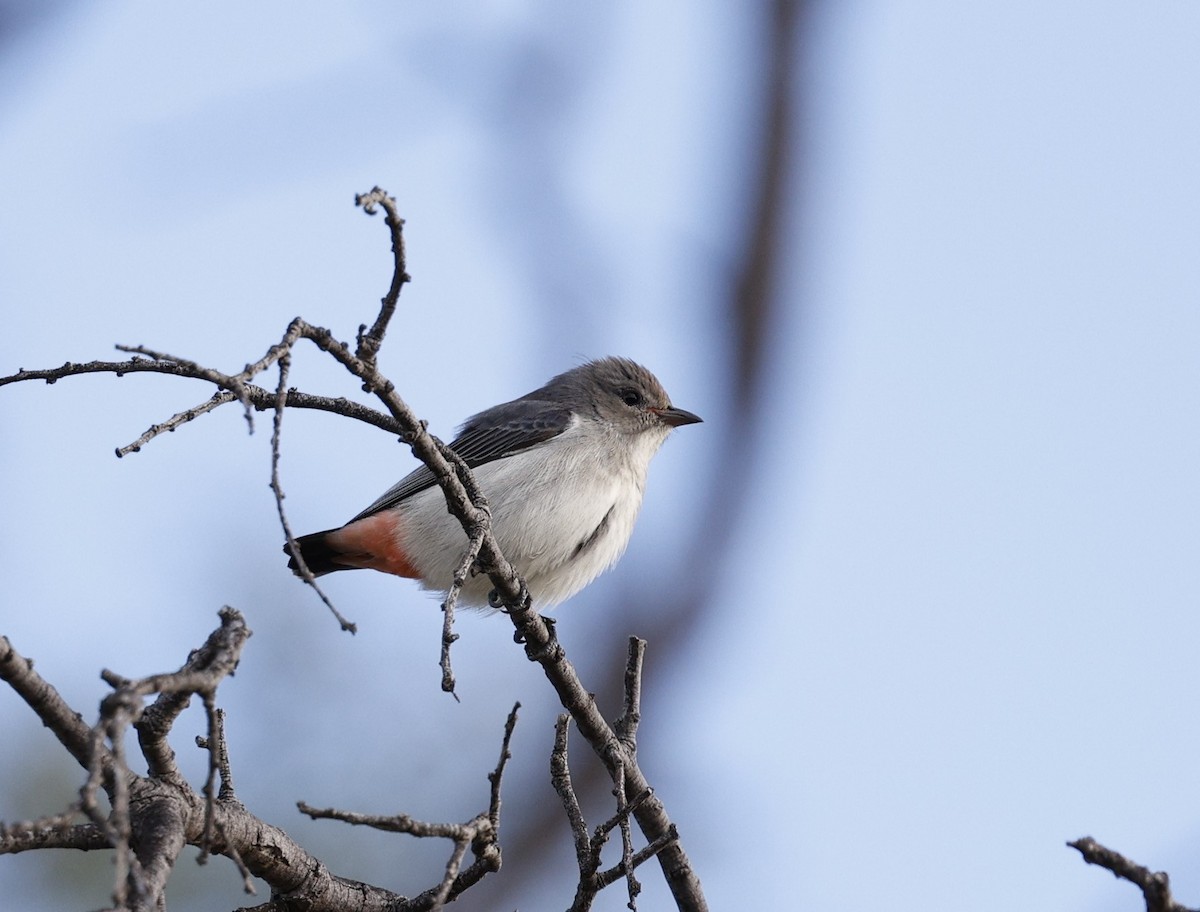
{"points": [[561, 525]]}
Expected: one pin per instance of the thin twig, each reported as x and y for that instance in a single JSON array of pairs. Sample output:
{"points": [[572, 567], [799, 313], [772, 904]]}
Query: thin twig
{"points": [[494, 777], [237, 387], [285, 361], [560, 779], [449, 637], [369, 342], [624, 809], [260, 398], [177, 420], [480, 834], [586, 857], [215, 743], [613, 874], [627, 724]]}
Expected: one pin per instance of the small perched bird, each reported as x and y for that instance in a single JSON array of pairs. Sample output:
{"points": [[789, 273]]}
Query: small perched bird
{"points": [[563, 469]]}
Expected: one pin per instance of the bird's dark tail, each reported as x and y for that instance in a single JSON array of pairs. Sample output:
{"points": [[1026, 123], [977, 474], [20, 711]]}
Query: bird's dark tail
{"points": [[370, 543], [319, 554]]}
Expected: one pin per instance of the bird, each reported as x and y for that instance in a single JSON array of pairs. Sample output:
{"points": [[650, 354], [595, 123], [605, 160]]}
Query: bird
{"points": [[563, 469]]}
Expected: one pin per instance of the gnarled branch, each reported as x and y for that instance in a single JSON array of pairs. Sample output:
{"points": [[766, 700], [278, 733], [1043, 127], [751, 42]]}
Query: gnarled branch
{"points": [[615, 747]]}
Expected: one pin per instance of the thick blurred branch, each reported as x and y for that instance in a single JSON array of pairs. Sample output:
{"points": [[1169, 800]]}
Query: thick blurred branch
{"points": [[672, 613], [669, 614]]}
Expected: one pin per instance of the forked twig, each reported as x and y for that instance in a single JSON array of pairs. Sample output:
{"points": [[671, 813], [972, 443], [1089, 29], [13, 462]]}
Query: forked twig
{"points": [[588, 849], [480, 834]]}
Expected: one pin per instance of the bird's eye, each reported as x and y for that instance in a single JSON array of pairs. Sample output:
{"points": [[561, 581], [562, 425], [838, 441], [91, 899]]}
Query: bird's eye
{"points": [[630, 397]]}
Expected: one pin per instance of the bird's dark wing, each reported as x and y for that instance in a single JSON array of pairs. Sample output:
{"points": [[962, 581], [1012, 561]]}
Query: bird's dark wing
{"points": [[492, 434]]}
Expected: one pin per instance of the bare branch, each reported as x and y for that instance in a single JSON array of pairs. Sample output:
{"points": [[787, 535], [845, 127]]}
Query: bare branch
{"points": [[480, 834], [177, 420], [261, 399], [497, 774], [153, 817], [1155, 885], [604, 878], [67, 725], [51, 833], [215, 743], [461, 574], [588, 849], [616, 748], [627, 724], [560, 778], [216, 748], [158, 830], [542, 647], [285, 361], [621, 819], [368, 343], [120, 368]]}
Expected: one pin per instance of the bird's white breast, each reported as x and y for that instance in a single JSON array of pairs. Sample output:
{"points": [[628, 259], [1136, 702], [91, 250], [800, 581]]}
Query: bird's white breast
{"points": [[562, 513]]}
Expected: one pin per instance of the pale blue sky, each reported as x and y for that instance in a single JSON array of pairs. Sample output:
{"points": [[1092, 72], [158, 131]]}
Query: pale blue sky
{"points": [[959, 621]]}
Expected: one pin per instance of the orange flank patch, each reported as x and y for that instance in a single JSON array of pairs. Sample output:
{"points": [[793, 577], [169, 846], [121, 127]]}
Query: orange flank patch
{"points": [[371, 543]]}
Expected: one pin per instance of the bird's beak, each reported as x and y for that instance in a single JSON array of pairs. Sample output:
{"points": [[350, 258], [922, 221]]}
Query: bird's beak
{"points": [[676, 417]]}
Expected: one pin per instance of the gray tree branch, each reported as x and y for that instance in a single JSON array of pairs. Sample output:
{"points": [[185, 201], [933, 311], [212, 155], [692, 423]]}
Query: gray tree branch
{"points": [[1155, 885], [155, 816], [464, 501]]}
